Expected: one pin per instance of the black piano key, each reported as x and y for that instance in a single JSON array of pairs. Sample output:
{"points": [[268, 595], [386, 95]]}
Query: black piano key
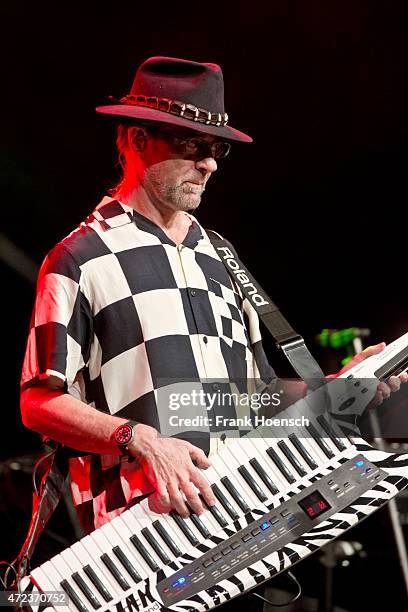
{"points": [[224, 502], [120, 579], [144, 553], [131, 570], [280, 465], [321, 442], [252, 483], [184, 528], [303, 451], [76, 600], [94, 601], [200, 525], [160, 552], [167, 539], [291, 457], [264, 476], [97, 583], [236, 496], [216, 513], [331, 433]]}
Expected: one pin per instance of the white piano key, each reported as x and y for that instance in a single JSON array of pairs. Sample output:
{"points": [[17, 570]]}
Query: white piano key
{"points": [[137, 524], [44, 579], [179, 538], [125, 527], [166, 520], [124, 544], [76, 566], [55, 579], [152, 517], [99, 537], [295, 459], [317, 405], [258, 451], [242, 459], [175, 533], [89, 554], [305, 449], [297, 411], [230, 466], [206, 518], [280, 457], [213, 478], [261, 445], [90, 600], [150, 536], [284, 437]]}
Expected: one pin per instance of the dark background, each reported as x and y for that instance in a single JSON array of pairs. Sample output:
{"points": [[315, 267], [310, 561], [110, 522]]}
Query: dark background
{"points": [[316, 206]]}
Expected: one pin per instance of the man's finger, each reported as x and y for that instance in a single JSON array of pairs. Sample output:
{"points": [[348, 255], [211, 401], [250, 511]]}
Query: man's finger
{"points": [[177, 501], [198, 456], [372, 350], [375, 348], [384, 389], [394, 383], [162, 493], [192, 498], [203, 485], [155, 505]]}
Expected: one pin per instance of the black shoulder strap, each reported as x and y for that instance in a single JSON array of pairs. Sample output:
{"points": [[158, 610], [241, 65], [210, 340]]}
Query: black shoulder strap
{"points": [[286, 338]]}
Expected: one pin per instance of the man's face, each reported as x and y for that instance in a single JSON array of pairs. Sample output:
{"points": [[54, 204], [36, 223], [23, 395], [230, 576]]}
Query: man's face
{"points": [[178, 164]]}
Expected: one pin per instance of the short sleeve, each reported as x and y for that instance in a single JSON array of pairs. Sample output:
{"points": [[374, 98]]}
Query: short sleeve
{"points": [[59, 336]]}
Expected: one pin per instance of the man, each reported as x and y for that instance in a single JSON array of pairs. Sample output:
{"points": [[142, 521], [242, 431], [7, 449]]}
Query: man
{"points": [[135, 302]]}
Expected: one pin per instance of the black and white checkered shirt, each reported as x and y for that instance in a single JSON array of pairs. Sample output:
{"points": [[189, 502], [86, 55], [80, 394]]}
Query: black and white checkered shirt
{"points": [[126, 318]]}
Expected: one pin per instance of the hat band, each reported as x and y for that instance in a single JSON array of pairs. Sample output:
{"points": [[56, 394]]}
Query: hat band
{"points": [[175, 107]]}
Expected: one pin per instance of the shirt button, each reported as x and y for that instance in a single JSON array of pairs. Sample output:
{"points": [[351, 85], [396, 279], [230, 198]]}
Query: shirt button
{"points": [[205, 339], [193, 292]]}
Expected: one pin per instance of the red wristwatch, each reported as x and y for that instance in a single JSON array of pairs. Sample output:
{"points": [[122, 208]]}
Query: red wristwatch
{"points": [[123, 436]]}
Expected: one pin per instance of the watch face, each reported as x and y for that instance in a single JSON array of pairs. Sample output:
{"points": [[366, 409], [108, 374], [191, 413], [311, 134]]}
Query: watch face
{"points": [[123, 434]]}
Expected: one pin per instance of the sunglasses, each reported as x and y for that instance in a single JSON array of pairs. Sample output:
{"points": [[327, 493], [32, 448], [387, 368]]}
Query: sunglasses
{"points": [[195, 147]]}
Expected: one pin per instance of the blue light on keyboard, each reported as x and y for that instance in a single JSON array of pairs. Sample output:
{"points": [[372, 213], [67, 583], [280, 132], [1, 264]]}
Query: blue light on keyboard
{"points": [[359, 463], [178, 582], [264, 525]]}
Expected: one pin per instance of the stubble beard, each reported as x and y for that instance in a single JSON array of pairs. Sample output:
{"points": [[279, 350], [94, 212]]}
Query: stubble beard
{"points": [[182, 196]]}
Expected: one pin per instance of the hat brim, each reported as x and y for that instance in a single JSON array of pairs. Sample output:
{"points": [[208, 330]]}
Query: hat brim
{"points": [[151, 114]]}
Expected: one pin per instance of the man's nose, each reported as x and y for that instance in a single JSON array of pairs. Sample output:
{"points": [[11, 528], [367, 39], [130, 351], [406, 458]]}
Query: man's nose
{"points": [[207, 165]]}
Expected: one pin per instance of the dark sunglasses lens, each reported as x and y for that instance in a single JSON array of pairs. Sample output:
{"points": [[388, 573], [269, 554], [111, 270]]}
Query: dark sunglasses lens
{"points": [[220, 149]]}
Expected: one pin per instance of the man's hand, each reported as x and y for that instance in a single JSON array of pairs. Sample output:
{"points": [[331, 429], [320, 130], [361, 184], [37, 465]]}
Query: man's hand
{"points": [[168, 464], [384, 390]]}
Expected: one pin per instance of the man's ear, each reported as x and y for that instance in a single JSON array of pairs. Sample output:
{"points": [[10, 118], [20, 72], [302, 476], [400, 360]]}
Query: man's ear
{"points": [[137, 138]]}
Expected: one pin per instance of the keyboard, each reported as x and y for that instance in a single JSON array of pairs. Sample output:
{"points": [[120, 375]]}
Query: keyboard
{"points": [[281, 493]]}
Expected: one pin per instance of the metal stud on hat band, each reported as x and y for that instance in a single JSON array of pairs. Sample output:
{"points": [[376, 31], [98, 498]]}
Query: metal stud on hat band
{"points": [[175, 107]]}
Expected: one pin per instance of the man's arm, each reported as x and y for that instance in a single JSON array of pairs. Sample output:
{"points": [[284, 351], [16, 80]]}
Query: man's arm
{"points": [[48, 410], [167, 462]]}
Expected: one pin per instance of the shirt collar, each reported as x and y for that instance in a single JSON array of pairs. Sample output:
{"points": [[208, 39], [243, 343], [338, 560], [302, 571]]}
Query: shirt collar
{"points": [[111, 213]]}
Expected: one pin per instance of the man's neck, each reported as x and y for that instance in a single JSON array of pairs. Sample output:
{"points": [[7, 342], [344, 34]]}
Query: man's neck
{"points": [[175, 223]]}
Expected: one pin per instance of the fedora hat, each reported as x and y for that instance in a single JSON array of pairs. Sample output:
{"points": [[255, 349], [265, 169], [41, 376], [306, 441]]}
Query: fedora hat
{"points": [[178, 92]]}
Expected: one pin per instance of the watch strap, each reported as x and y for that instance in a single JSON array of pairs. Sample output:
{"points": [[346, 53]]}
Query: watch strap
{"points": [[123, 432]]}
